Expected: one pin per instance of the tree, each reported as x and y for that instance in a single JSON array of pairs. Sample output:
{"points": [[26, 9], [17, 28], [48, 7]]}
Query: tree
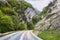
{"points": [[1, 13], [6, 23], [13, 3], [30, 25], [8, 11], [22, 26], [36, 19]]}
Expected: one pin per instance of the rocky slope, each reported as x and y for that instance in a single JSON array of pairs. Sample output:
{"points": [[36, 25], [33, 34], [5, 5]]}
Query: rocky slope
{"points": [[50, 20]]}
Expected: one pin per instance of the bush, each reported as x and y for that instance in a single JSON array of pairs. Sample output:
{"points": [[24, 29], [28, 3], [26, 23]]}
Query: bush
{"points": [[36, 19], [1, 13], [22, 26], [8, 11], [6, 23], [13, 3], [30, 25]]}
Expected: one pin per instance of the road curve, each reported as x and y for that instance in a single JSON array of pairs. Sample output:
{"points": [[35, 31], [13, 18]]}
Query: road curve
{"points": [[21, 35]]}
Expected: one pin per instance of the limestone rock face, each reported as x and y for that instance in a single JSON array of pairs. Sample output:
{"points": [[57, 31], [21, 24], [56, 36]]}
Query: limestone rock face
{"points": [[55, 23], [29, 13], [53, 20]]}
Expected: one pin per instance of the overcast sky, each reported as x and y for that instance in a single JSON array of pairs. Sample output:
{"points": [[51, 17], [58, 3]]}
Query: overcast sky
{"points": [[39, 4]]}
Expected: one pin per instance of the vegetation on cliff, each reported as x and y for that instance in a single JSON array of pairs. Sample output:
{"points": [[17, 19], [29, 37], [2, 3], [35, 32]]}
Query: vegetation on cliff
{"points": [[12, 15]]}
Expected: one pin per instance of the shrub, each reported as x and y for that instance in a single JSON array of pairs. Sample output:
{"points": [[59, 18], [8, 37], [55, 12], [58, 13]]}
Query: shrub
{"points": [[8, 11], [6, 23], [1, 13], [36, 19], [30, 25], [22, 26]]}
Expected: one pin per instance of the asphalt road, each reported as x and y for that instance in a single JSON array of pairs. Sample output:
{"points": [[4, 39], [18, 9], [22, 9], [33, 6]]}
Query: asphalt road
{"points": [[21, 35]]}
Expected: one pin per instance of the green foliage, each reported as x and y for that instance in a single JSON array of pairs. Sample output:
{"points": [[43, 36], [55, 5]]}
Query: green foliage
{"points": [[22, 26], [24, 5], [1, 14], [6, 23], [50, 35], [15, 21], [13, 3], [36, 19], [45, 10], [8, 11], [30, 25]]}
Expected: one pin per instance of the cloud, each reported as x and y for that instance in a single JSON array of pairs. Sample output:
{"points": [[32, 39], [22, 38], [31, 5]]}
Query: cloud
{"points": [[39, 4]]}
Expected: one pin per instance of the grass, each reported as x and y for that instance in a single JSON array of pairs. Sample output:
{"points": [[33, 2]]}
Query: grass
{"points": [[50, 35]]}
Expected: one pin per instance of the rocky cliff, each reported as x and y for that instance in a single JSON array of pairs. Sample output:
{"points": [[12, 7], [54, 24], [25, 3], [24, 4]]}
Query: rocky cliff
{"points": [[51, 20]]}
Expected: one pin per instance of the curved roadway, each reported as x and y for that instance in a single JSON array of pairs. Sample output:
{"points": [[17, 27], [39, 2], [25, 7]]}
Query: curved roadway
{"points": [[21, 35]]}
